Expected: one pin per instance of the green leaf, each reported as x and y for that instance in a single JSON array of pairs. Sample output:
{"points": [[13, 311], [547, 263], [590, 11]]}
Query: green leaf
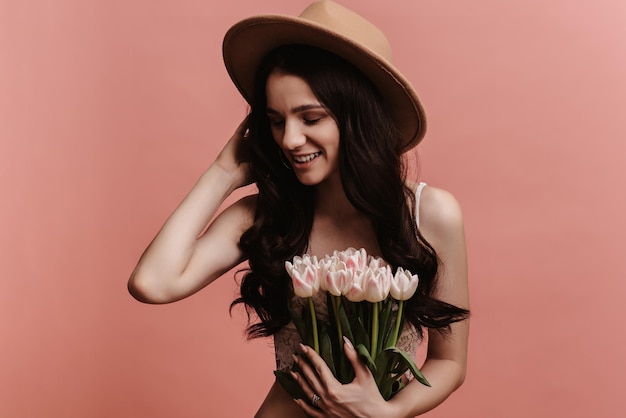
{"points": [[384, 328], [383, 360], [305, 320], [326, 348], [299, 322], [402, 320], [390, 379], [385, 378], [346, 329], [401, 356], [360, 334], [346, 372], [335, 312], [365, 356]]}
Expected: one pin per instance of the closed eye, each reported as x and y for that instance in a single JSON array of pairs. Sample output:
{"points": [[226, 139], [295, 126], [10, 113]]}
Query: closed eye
{"points": [[311, 118], [277, 122], [312, 121]]}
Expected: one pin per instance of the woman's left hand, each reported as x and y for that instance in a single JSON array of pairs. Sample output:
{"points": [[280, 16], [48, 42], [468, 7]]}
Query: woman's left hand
{"points": [[327, 397]]}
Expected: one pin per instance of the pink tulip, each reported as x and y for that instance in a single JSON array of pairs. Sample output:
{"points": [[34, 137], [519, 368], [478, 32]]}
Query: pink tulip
{"points": [[354, 259], [304, 275], [377, 283], [356, 293], [323, 267], [403, 284], [338, 279], [375, 262]]}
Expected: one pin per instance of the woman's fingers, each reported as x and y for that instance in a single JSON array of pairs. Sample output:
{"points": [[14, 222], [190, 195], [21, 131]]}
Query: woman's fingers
{"points": [[235, 156], [325, 396], [307, 389], [313, 402], [308, 378], [317, 366], [242, 150], [360, 369]]}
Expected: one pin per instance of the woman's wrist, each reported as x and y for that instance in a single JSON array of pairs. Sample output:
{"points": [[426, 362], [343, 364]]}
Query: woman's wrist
{"points": [[229, 180]]}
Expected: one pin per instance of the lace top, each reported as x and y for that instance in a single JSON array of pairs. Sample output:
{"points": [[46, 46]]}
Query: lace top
{"points": [[287, 339]]}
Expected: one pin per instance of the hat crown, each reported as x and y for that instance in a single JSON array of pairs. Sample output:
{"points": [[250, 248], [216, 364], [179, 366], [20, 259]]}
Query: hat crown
{"points": [[354, 28]]}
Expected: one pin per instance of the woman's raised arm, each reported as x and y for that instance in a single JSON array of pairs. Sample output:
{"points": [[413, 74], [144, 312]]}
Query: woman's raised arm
{"points": [[181, 259]]}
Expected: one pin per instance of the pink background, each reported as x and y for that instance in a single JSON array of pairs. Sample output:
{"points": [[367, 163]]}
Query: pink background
{"points": [[109, 111]]}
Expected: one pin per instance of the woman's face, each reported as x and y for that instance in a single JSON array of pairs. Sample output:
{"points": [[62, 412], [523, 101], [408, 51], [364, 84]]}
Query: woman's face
{"points": [[303, 128]]}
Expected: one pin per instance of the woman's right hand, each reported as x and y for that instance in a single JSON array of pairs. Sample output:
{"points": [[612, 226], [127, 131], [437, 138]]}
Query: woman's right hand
{"points": [[235, 156]]}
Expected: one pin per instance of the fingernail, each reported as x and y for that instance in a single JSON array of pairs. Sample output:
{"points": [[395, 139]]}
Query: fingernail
{"points": [[303, 348], [348, 343], [295, 358]]}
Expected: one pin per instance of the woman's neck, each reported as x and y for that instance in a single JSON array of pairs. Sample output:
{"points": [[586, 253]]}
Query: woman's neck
{"points": [[337, 224], [331, 200]]}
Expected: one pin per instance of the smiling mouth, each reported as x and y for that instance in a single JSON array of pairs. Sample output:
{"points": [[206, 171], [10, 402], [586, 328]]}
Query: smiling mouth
{"points": [[302, 159]]}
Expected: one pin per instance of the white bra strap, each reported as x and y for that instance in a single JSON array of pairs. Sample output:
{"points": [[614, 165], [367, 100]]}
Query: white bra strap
{"points": [[418, 194]]}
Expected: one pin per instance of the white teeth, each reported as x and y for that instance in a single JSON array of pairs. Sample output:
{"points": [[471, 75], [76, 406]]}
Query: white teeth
{"points": [[306, 158]]}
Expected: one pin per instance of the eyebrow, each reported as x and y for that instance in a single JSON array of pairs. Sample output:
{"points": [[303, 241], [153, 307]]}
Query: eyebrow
{"points": [[298, 109]]}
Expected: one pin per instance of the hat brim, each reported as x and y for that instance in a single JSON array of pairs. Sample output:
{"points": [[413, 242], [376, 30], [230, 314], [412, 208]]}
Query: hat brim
{"points": [[247, 42]]}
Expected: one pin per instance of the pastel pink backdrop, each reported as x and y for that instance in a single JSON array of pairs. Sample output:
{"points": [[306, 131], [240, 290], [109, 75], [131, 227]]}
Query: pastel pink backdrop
{"points": [[109, 111]]}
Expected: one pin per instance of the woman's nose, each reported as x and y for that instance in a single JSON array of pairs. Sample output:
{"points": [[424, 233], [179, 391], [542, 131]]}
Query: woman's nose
{"points": [[293, 136]]}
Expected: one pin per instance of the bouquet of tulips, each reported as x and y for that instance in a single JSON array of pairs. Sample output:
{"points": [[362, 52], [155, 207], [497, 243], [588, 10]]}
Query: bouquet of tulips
{"points": [[365, 302]]}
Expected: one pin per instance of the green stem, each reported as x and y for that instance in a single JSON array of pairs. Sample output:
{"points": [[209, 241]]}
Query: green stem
{"points": [[316, 343], [337, 306], [396, 331], [374, 348]]}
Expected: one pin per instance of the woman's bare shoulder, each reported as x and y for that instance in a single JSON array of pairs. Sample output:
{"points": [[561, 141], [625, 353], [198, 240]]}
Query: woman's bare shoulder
{"points": [[440, 213]]}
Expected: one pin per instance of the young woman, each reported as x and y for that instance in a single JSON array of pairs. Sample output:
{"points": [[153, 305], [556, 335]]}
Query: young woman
{"points": [[330, 120]]}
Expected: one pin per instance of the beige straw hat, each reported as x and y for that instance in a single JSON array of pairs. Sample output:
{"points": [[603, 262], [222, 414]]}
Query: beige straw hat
{"points": [[330, 26]]}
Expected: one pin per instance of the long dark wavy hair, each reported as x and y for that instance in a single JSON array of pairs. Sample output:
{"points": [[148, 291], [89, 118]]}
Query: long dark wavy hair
{"points": [[373, 175]]}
